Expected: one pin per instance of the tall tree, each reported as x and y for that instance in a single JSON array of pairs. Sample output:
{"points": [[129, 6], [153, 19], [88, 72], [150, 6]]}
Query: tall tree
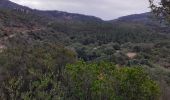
{"points": [[161, 8]]}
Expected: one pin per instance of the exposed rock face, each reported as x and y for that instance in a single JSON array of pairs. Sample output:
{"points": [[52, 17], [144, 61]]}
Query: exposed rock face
{"points": [[131, 55]]}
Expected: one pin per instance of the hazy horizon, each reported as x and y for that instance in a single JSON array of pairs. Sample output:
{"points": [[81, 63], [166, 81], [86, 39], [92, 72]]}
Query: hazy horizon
{"points": [[104, 9]]}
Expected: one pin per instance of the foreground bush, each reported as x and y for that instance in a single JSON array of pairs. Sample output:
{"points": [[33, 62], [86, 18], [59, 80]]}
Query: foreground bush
{"points": [[104, 81], [33, 72], [40, 71]]}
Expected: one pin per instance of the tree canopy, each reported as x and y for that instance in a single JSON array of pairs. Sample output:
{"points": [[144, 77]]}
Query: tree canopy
{"points": [[161, 8]]}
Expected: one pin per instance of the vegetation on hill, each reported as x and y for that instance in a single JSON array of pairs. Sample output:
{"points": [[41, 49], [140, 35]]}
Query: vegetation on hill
{"points": [[39, 71], [32, 71], [104, 81], [42, 52]]}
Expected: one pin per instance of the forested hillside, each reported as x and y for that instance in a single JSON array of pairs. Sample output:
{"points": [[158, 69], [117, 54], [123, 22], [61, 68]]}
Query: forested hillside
{"points": [[54, 55]]}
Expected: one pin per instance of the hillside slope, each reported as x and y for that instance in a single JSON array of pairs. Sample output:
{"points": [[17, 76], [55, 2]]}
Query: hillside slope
{"points": [[34, 41], [145, 19], [84, 34]]}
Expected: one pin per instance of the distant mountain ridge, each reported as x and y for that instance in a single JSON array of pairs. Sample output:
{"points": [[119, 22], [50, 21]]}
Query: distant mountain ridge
{"points": [[136, 17], [6, 4], [144, 18], [54, 14]]}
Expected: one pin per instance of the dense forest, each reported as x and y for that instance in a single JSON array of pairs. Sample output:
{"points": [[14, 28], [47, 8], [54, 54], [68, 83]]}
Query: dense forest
{"points": [[53, 55]]}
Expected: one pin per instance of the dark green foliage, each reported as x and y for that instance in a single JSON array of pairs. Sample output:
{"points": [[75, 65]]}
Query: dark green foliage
{"points": [[134, 84], [33, 64], [161, 8], [33, 71], [104, 81], [38, 71], [102, 40]]}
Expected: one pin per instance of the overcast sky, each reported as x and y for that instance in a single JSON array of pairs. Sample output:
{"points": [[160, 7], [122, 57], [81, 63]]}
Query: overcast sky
{"points": [[105, 9]]}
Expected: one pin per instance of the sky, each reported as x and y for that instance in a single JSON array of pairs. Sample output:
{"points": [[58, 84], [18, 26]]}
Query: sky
{"points": [[105, 9]]}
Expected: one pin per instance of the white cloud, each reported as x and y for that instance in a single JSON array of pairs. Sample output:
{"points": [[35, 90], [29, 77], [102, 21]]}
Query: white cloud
{"points": [[106, 9]]}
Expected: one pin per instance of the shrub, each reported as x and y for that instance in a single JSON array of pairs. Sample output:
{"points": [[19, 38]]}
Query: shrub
{"points": [[104, 81]]}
